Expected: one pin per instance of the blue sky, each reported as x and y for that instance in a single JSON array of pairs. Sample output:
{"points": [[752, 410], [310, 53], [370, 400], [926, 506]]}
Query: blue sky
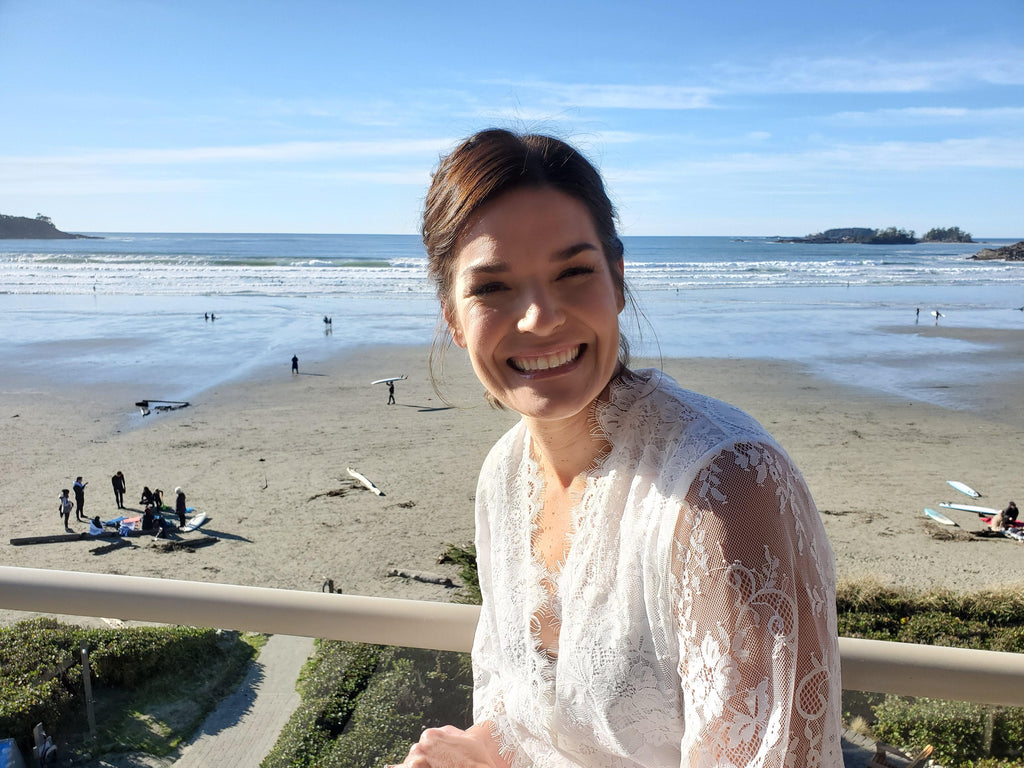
{"points": [[714, 118]]}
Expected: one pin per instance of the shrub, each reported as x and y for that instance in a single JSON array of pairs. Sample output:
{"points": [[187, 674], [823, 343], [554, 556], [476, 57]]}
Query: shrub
{"points": [[465, 558], [41, 670], [129, 657], [330, 685], [363, 705], [955, 728]]}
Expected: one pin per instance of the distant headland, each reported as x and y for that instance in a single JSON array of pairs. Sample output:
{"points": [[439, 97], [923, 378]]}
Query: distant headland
{"points": [[890, 236], [39, 228], [1013, 252]]}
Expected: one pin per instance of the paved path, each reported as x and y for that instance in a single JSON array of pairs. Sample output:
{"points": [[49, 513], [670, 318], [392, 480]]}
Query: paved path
{"points": [[245, 726]]}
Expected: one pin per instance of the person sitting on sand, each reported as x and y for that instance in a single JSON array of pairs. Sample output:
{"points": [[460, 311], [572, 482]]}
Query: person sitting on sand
{"points": [[147, 519], [158, 499], [658, 589], [147, 496], [1010, 513], [95, 526]]}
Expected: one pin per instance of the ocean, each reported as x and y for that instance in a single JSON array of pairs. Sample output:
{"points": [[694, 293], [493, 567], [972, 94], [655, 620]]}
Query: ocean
{"points": [[131, 306]]}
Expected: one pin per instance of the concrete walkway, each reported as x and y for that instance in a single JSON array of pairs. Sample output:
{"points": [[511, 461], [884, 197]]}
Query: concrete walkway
{"points": [[245, 726]]}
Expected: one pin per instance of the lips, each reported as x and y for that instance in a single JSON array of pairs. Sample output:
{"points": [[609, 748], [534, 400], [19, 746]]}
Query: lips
{"points": [[548, 362]]}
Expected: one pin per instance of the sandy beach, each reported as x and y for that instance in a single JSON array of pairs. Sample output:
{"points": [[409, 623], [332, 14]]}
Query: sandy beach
{"points": [[265, 458]]}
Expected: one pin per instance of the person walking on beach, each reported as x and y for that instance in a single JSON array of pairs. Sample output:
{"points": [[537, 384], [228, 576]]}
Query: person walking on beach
{"points": [[64, 507], [79, 487], [673, 572], [179, 506], [391, 393], [295, 363], [119, 487]]}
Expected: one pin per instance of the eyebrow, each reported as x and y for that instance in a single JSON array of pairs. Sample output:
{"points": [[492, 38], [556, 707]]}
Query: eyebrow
{"points": [[497, 267]]}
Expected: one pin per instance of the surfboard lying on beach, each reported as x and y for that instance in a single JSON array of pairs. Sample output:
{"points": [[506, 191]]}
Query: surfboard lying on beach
{"points": [[938, 517], [194, 523], [969, 508], [403, 377], [363, 481], [964, 488]]}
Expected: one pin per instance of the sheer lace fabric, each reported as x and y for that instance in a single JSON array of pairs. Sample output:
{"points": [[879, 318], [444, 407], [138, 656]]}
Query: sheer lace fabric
{"points": [[695, 609]]}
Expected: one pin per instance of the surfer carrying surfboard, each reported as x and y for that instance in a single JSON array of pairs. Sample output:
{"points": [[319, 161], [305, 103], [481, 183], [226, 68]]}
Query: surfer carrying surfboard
{"points": [[660, 545]]}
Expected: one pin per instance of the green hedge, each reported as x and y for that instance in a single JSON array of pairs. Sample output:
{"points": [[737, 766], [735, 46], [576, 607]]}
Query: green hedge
{"points": [[963, 734], [41, 670], [364, 705]]}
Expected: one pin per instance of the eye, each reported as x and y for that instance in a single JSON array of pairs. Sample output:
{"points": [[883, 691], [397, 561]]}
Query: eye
{"points": [[576, 271], [486, 288]]}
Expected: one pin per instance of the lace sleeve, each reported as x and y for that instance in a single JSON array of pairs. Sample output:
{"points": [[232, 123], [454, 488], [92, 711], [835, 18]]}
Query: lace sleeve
{"points": [[486, 656], [755, 615]]}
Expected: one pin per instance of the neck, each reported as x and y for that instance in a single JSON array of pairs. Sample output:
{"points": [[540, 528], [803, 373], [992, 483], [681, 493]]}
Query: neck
{"points": [[566, 448]]}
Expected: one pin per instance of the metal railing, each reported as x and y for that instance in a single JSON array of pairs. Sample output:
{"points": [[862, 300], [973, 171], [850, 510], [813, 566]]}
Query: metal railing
{"points": [[984, 677]]}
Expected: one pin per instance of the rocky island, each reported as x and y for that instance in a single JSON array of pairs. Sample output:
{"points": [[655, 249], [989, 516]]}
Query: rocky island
{"points": [[889, 236], [1013, 252], [39, 228]]}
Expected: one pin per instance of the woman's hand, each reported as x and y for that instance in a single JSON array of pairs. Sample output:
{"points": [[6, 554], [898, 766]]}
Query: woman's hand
{"points": [[450, 747]]}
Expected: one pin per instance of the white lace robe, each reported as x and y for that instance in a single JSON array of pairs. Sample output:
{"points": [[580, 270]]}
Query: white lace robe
{"points": [[695, 608]]}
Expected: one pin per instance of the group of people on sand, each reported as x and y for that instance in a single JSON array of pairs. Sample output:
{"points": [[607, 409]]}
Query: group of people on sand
{"points": [[152, 502]]}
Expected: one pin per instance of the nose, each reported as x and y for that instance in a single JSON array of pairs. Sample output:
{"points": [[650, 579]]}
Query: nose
{"points": [[541, 312]]}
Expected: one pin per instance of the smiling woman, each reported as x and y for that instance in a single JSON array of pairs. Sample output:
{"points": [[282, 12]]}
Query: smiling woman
{"points": [[657, 586]]}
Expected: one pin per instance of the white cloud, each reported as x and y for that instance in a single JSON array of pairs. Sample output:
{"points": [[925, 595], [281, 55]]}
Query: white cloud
{"points": [[298, 151], [872, 75], [787, 75], [1004, 115], [889, 157], [617, 96]]}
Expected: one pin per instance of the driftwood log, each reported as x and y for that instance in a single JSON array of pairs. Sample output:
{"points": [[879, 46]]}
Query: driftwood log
{"points": [[187, 546], [428, 578]]}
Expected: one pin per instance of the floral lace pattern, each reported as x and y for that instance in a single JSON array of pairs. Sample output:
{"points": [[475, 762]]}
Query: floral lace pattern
{"points": [[695, 607]]}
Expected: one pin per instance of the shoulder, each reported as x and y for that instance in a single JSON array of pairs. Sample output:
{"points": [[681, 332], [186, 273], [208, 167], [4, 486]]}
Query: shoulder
{"points": [[648, 407]]}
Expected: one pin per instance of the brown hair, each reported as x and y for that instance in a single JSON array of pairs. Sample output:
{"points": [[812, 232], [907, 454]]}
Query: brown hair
{"points": [[487, 165]]}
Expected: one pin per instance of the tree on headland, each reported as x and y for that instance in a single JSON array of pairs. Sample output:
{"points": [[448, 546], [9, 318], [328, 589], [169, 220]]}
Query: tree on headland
{"points": [[41, 217], [887, 236], [947, 235], [892, 236]]}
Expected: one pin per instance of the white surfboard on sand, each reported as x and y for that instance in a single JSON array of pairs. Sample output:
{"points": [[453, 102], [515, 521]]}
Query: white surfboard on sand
{"points": [[363, 481], [969, 508], [938, 517], [403, 377], [194, 523], [964, 488]]}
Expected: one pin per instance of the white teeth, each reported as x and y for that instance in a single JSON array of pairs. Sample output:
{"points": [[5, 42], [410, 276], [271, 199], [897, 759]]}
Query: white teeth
{"points": [[546, 362]]}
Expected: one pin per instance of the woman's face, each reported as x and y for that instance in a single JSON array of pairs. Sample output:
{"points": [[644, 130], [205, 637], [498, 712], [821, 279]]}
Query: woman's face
{"points": [[534, 303]]}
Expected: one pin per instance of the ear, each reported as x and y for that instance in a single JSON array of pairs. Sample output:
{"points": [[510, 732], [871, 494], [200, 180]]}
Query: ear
{"points": [[453, 325], [620, 298]]}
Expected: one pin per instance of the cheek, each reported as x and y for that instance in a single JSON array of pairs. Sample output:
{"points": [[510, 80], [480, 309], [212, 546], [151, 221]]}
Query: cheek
{"points": [[479, 332]]}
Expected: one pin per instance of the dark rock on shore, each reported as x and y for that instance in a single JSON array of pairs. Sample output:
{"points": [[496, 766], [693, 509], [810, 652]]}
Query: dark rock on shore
{"points": [[39, 228], [1013, 252]]}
